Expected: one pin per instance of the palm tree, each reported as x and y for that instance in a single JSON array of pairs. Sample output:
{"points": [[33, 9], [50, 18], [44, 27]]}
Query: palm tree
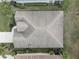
{"points": [[2, 50], [6, 49]]}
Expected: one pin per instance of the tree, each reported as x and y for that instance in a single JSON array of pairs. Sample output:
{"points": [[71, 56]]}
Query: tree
{"points": [[6, 49]]}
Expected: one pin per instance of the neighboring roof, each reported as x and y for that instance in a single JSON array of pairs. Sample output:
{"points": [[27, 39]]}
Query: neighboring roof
{"points": [[33, 1], [37, 56], [44, 29]]}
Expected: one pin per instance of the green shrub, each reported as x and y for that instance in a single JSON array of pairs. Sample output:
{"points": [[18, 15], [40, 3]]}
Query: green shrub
{"points": [[18, 5]]}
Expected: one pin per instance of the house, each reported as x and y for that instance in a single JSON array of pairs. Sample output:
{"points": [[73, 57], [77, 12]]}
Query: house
{"points": [[32, 1], [37, 56], [38, 29]]}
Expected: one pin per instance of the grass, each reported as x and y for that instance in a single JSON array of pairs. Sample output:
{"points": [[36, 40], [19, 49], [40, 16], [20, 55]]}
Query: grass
{"points": [[6, 49], [71, 39], [5, 16], [66, 5], [4, 23]]}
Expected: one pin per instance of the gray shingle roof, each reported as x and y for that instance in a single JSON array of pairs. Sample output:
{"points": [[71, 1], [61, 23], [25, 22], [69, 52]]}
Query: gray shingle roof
{"points": [[37, 56], [44, 29]]}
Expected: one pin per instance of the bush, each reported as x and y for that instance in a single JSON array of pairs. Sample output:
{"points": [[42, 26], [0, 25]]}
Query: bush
{"points": [[12, 22], [58, 3], [21, 6], [13, 3], [36, 4]]}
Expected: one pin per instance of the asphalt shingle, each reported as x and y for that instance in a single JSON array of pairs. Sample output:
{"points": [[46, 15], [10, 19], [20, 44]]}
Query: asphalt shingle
{"points": [[44, 29]]}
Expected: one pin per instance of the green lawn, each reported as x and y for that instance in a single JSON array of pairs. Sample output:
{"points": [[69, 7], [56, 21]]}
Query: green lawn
{"points": [[4, 23], [71, 35], [5, 16]]}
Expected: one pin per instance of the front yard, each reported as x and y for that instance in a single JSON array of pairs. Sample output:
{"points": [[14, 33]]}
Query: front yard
{"points": [[4, 23], [5, 16]]}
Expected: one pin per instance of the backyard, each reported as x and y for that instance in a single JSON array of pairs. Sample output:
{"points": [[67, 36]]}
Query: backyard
{"points": [[71, 39]]}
